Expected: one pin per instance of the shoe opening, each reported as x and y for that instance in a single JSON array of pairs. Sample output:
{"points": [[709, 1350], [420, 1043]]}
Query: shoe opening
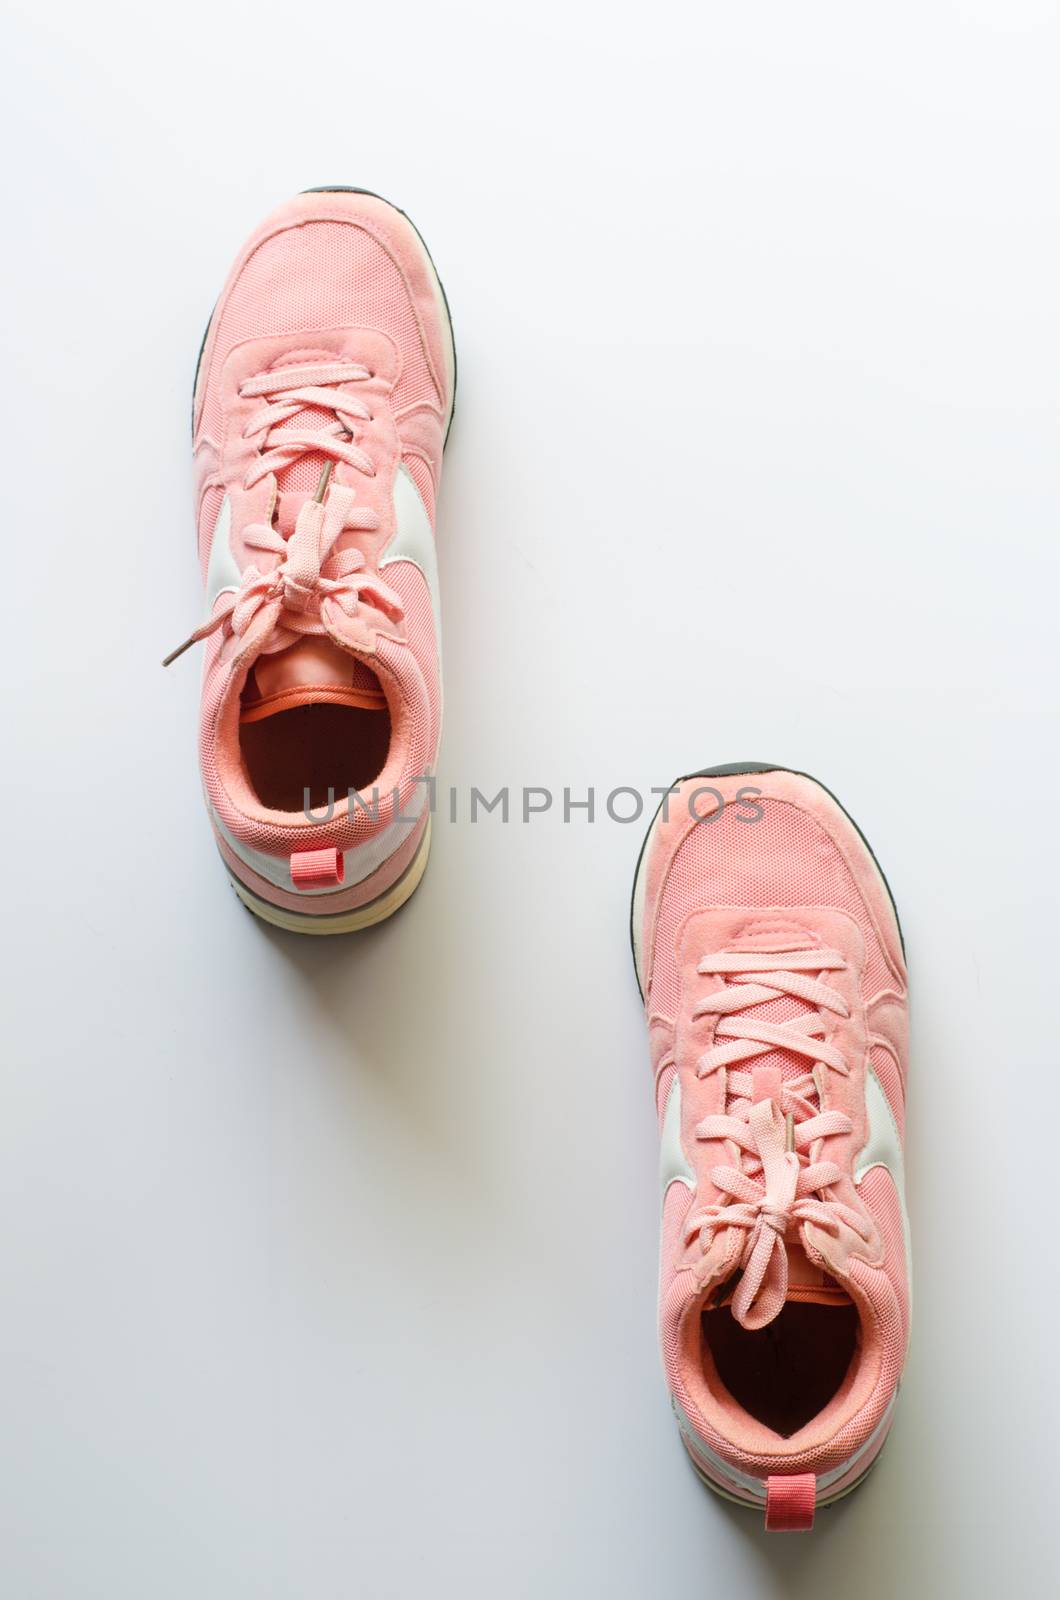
{"points": [[313, 722], [784, 1374]]}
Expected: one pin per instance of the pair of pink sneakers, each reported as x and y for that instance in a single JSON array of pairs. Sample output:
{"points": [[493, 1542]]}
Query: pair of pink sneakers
{"points": [[766, 943]]}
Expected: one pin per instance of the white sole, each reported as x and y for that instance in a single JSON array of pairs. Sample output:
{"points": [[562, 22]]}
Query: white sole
{"points": [[354, 921]]}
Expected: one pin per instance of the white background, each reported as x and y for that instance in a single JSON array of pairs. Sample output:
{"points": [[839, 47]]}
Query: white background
{"points": [[328, 1268]]}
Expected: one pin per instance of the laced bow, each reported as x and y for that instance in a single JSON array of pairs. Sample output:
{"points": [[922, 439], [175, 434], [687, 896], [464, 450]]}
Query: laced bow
{"points": [[309, 572], [782, 1179]]}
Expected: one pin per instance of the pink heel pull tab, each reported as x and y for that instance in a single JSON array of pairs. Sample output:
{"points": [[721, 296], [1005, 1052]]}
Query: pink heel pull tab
{"points": [[790, 1503], [317, 869]]}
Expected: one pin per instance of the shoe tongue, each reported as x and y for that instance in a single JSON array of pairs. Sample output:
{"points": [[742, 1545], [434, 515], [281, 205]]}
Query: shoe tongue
{"points": [[313, 671], [808, 1284]]}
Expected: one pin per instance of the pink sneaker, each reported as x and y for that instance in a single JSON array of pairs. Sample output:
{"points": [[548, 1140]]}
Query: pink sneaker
{"points": [[770, 959], [322, 401]]}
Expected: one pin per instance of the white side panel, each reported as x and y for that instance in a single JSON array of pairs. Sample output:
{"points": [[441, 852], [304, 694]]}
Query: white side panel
{"points": [[414, 540], [222, 574], [884, 1149], [673, 1163]]}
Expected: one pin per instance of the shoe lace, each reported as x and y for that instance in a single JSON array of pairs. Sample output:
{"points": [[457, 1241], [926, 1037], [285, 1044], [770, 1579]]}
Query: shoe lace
{"points": [[781, 1179], [310, 571]]}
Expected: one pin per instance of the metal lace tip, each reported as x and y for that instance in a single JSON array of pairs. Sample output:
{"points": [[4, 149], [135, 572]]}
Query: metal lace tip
{"points": [[167, 661], [789, 1133], [324, 477]]}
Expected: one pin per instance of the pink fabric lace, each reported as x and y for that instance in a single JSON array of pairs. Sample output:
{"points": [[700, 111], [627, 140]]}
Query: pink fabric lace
{"points": [[309, 573], [781, 1179]]}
